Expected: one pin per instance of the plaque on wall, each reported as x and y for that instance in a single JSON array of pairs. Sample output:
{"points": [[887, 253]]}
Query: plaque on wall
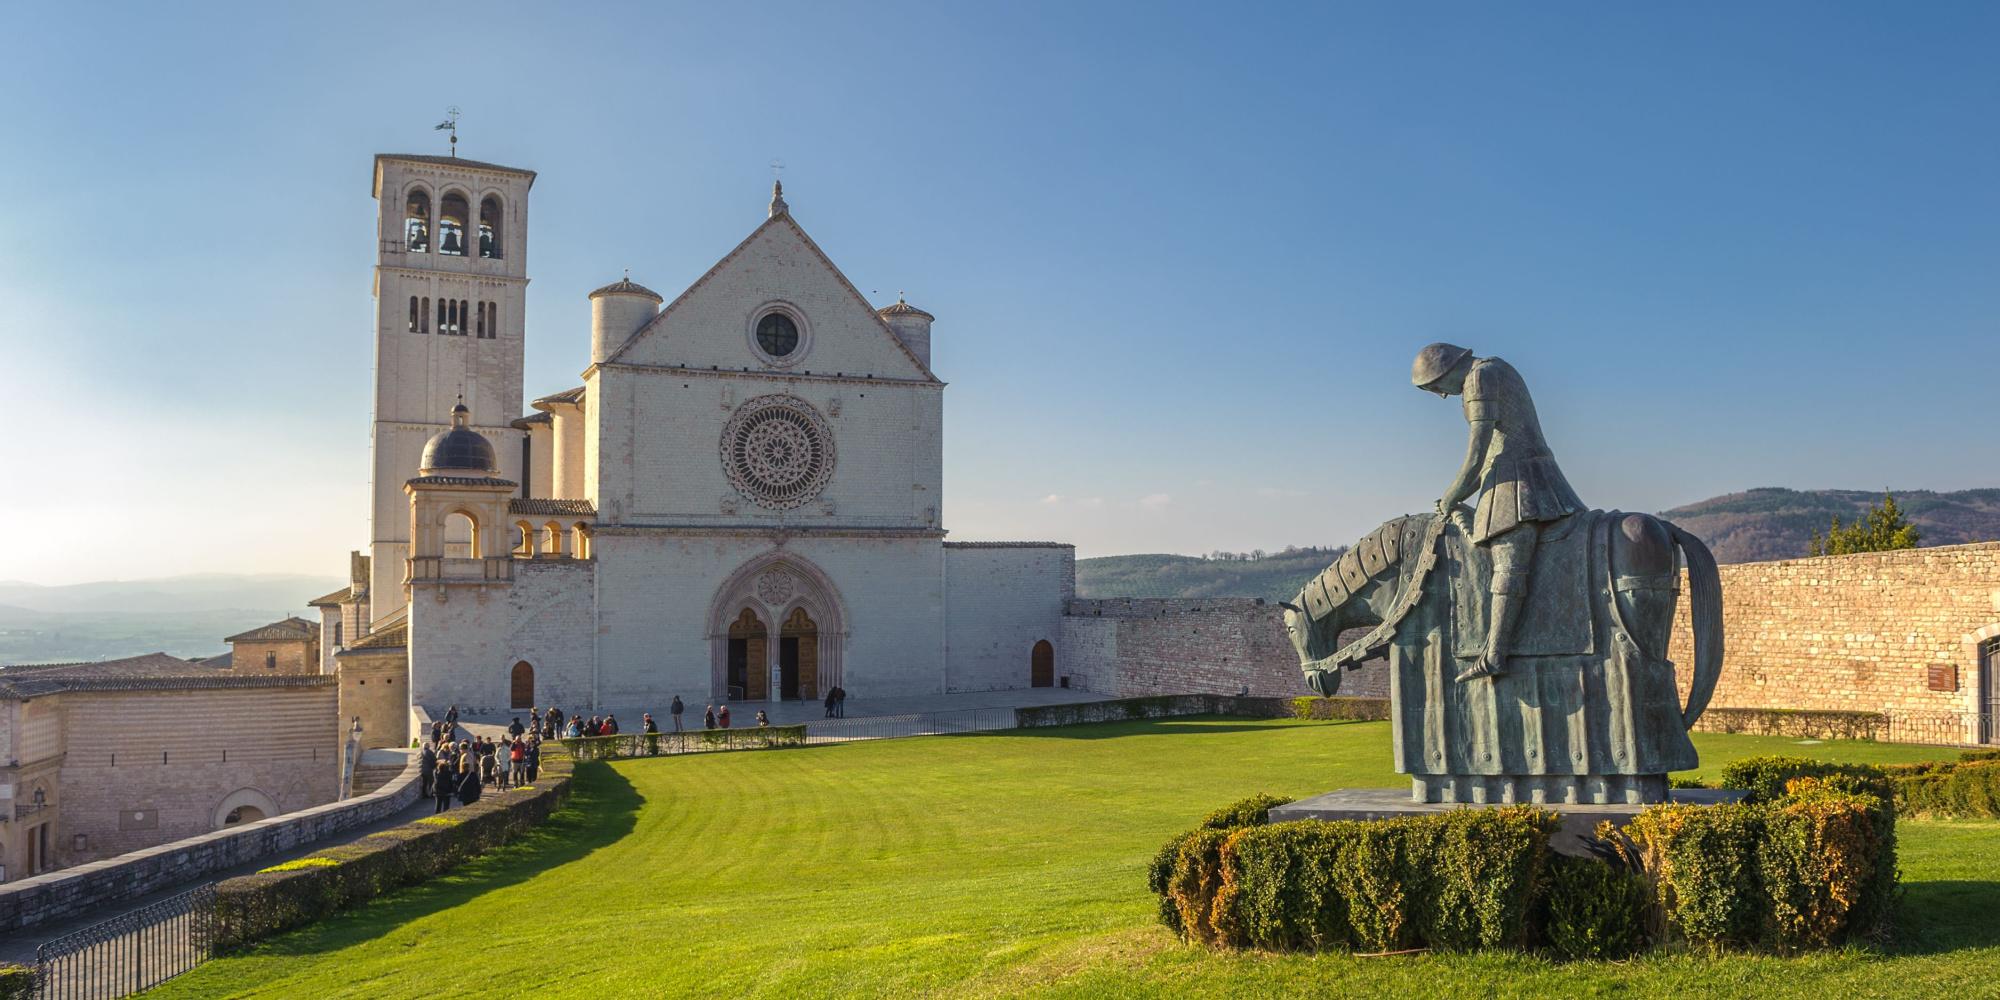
{"points": [[1943, 677]]}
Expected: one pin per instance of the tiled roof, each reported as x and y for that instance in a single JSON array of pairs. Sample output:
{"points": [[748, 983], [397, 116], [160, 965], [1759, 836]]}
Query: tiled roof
{"points": [[341, 596], [463, 481], [26, 680], [626, 286], [220, 660], [902, 308], [286, 628], [580, 508], [395, 636], [566, 396], [536, 420]]}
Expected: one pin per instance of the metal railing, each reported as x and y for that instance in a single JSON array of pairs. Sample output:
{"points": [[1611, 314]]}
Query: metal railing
{"points": [[815, 733], [883, 727], [1942, 728], [130, 952]]}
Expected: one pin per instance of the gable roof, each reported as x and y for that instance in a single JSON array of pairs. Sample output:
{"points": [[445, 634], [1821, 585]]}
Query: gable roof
{"points": [[783, 218], [27, 680], [341, 596], [285, 628]]}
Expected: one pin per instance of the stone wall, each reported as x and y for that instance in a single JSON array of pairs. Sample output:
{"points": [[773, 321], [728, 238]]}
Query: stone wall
{"points": [[269, 657], [74, 891], [1001, 598], [1858, 633], [1210, 645]]}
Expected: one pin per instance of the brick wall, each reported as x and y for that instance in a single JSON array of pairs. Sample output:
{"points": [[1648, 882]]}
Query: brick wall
{"points": [[1131, 647], [285, 656], [1857, 632]]}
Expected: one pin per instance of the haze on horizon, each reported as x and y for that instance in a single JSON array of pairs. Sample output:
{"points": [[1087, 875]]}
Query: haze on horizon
{"points": [[1180, 256]]}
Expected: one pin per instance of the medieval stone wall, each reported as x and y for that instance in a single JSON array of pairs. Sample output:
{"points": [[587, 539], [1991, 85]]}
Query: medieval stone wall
{"points": [[1209, 645], [1860, 632], [1000, 599]]}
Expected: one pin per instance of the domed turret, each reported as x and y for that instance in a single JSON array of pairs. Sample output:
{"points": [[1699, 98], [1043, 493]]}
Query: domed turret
{"points": [[912, 326], [459, 451], [617, 311]]}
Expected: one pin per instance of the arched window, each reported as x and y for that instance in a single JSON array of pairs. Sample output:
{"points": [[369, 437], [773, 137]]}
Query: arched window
{"points": [[552, 538], [524, 539], [415, 316], [464, 316], [489, 227], [451, 225], [461, 536], [580, 540], [417, 221], [426, 313], [479, 316]]}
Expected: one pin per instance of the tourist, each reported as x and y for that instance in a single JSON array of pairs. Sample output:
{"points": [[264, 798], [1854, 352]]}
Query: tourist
{"points": [[515, 728], [517, 763], [575, 729], [486, 760], [427, 762], [556, 717], [468, 782], [647, 725], [534, 760], [763, 721], [708, 718], [829, 701], [675, 710], [534, 720], [451, 717], [839, 695], [723, 717], [610, 727], [443, 788]]}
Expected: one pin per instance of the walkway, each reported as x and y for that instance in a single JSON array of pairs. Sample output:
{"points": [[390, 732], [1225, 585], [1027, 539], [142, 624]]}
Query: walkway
{"points": [[785, 713]]}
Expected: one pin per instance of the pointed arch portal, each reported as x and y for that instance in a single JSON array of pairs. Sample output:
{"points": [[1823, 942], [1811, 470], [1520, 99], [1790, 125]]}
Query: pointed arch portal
{"points": [[776, 629]]}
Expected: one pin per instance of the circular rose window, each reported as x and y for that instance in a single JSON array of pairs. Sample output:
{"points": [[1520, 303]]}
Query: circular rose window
{"points": [[777, 452]]}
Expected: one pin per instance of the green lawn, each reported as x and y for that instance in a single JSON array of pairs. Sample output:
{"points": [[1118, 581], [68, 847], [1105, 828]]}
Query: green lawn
{"points": [[996, 865]]}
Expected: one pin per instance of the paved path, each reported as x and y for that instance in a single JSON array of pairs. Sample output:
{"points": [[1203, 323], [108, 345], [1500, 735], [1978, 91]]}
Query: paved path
{"points": [[783, 713]]}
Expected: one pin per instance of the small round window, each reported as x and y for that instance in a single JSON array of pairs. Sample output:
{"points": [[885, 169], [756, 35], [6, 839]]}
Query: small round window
{"points": [[777, 335]]}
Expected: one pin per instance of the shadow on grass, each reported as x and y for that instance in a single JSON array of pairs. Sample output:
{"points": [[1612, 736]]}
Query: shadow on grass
{"points": [[1947, 915], [603, 808]]}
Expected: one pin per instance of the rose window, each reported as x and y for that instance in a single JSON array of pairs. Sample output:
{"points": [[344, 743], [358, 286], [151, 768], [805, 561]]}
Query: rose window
{"points": [[777, 452]]}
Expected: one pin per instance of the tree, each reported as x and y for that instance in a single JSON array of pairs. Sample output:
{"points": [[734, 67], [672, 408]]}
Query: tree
{"points": [[1883, 528]]}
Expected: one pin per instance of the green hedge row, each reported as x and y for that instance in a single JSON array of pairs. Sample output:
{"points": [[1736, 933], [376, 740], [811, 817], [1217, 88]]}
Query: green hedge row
{"points": [[1797, 723], [1814, 867], [253, 907], [692, 741], [1968, 788], [1341, 707], [17, 982]]}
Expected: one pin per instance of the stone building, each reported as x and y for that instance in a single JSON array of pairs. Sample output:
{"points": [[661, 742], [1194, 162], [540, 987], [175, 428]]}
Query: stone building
{"points": [[742, 500], [98, 759], [287, 646]]}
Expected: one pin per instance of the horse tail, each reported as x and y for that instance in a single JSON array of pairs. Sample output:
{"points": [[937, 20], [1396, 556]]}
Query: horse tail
{"points": [[1705, 604]]}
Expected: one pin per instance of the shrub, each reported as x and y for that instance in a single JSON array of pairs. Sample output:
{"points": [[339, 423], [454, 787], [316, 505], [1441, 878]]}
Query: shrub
{"points": [[17, 982], [1253, 811], [1698, 862], [1969, 756], [1594, 910], [253, 907], [1765, 777], [1828, 866], [1340, 707], [1454, 880], [1967, 790]]}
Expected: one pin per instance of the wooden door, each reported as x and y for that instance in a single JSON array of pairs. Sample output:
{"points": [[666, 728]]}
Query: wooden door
{"points": [[1042, 665], [522, 690]]}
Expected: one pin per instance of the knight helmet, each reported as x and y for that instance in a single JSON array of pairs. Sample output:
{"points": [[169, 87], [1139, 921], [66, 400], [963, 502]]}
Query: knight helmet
{"points": [[1436, 361]]}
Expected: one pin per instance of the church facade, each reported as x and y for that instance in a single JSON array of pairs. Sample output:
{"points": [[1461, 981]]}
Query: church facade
{"points": [[742, 499]]}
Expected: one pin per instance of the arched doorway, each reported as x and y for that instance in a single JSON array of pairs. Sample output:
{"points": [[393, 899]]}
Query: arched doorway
{"points": [[1042, 665], [521, 691], [798, 657], [244, 805], [748, 652]]}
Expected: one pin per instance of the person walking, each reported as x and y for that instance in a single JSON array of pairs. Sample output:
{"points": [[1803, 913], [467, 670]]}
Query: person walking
{"points": [[830, 701], [723, 717], [517, 764], [675, 710], [708, 718], [763, 721]]}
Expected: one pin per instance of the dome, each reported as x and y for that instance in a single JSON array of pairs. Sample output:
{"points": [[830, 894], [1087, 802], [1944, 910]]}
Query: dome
{"points": [[902, 308], [626, 286], [460, 449]]}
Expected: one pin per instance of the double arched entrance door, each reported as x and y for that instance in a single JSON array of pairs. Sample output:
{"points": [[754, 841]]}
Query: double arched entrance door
{"points": [[777, 634]]}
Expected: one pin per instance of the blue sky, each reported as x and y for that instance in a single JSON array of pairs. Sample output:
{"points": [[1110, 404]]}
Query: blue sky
{"points": [[1180, 256]]}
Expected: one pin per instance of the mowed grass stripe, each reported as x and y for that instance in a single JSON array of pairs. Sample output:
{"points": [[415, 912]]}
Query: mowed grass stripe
{"points": [[981, 865]]}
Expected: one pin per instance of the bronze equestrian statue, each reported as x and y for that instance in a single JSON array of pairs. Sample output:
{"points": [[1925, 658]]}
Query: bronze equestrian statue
{"points": [[1526, 638]]}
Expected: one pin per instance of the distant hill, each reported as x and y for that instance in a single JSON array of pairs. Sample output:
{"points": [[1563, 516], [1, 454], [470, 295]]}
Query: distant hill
{"points": [[182, 615], [1775, 523], [194, 592], [1273, 577]]}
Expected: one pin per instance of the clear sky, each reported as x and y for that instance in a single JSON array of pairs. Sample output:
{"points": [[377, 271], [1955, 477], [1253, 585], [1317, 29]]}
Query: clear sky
{"points": [[1180, 256]]}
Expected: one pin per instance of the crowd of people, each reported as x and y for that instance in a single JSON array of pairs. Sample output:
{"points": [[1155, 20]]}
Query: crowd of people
{"points": [[460, 769]]}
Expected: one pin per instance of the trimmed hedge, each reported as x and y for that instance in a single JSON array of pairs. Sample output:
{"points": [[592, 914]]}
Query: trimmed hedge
{"points": [[253, 907], [17, 982], [1765, 778], [1968, 789], [1341, 707], [691, 741], [1797, 723], [1814, 868], [1594, 910], [1455, 880]]}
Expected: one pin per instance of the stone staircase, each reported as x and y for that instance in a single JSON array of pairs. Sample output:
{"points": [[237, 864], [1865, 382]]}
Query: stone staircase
{"points": [[378, 768]]}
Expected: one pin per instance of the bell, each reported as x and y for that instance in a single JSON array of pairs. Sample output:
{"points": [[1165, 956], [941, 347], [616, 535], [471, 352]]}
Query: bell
{"points": [[451, 243]]}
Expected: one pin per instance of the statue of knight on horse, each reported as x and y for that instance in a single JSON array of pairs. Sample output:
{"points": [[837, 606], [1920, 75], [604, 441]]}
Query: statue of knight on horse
{"points": [[1526, 637]]}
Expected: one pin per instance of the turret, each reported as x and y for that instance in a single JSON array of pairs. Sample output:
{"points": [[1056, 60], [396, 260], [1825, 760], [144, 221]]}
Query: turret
{"points": [[912, 326], [617, 311]]}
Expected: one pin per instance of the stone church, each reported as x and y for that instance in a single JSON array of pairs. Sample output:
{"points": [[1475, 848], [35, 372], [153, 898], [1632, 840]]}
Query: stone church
{"points": [[741, 500]]}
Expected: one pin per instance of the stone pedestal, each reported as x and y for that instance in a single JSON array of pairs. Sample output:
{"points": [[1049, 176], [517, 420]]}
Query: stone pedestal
{"points": [[1579, 820]]}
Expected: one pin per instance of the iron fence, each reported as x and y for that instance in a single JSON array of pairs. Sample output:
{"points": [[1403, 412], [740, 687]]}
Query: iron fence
{"points": [[882, 727], [1943, 728], [819, 732], [131, 952]]}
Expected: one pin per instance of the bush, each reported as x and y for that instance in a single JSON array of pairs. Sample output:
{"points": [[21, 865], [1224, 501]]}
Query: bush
{"points": [[1966, 790], [1797, 723], [1594, 910], [253, 907], [1700, 863], [1454, 880], [17, 982], [1340, 707], [1765, 778], [1253, 811]]}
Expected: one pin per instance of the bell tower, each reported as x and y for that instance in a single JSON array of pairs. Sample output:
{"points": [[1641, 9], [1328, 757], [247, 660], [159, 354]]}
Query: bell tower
{"points": [[451, 282]]}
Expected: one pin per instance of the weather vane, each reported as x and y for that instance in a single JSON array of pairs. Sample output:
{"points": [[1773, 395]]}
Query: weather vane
{"points": [[777, 168], [450, 124]]}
